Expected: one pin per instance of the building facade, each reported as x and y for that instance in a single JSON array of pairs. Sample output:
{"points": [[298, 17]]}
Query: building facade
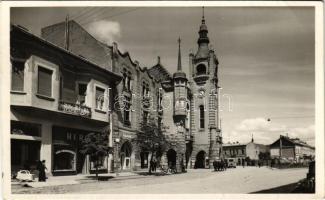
{"points": [[292, 150], [67, 84], [245, 152], [57, 97]]}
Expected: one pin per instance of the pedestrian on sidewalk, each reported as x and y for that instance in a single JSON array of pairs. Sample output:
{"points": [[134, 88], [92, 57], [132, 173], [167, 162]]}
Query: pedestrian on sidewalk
{"points": [[41, 168], [154, 164]]}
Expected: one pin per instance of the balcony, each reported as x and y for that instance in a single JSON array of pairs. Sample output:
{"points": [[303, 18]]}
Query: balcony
{"points": [[75, 109], [201, 78]]}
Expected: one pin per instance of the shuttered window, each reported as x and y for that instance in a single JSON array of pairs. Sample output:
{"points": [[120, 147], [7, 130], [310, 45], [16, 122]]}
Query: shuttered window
{"points": [[17, 76], [100, 98], [45, 81]]}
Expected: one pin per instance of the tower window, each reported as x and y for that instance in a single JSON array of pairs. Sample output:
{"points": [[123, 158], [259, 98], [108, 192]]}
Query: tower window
{"points": [[201, 116], [201, 69], [127, 114]]}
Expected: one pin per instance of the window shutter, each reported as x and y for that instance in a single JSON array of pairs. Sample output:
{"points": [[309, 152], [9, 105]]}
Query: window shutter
{"points": [[45, 81]]}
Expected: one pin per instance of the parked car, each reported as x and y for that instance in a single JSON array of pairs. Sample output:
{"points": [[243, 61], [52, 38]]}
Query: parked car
{"points": [[25, 175], [231, 163]]}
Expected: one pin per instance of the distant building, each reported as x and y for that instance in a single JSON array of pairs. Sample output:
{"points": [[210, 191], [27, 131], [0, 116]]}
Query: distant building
{"points": [[291, 149], [240, 151]]}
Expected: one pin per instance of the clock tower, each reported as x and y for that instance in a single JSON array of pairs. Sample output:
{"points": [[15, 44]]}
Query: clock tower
{"points": [[203, 81]]}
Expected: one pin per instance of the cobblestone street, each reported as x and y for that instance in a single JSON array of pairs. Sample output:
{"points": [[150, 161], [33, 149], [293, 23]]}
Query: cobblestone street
{"points": [[239, 180]]}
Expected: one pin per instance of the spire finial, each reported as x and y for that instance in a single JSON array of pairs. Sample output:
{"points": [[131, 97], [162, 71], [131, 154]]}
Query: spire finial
{"points": [[158, 59], [179, 66], [203, 12], [203, 20], [252, 137]]}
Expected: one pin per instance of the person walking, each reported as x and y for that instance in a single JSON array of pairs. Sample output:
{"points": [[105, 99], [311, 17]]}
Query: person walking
{"points": [[41, 168]]}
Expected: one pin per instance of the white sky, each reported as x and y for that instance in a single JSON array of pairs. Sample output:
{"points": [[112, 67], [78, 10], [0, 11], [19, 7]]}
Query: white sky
{"points": [[266, 57]]}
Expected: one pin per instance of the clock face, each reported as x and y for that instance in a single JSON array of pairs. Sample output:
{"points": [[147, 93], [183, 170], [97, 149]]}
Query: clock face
{"points": [[201, 92]]}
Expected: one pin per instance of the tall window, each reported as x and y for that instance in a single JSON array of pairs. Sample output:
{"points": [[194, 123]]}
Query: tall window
{"points": [[44, 81], [127, 82], [201, 116], [127, 106], [17, 76], [145, 116], [100, 98], [187, 120], [145, 89]]}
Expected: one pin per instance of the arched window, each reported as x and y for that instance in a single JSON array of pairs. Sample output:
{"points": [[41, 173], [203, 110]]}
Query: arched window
{"points": [[187, 120], [201, 69], [201, 107]]}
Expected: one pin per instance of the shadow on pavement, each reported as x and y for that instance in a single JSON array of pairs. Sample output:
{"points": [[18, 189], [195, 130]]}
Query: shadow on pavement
{"points": [[99, 178]]}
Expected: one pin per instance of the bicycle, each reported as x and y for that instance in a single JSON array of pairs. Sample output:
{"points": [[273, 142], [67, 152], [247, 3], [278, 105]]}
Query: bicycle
{"points": [[166, 169]]}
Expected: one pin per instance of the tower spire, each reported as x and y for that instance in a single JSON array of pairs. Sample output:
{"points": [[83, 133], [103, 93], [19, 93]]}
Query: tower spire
{"points": [[203, 20], [179, 65], [203, 32]]}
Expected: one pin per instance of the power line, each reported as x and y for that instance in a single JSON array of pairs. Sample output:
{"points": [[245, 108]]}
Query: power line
{"points": [[111, 16], [85, 23], [310, 116], [96, 13], [74, 18], [79, 14], [87, 15]]}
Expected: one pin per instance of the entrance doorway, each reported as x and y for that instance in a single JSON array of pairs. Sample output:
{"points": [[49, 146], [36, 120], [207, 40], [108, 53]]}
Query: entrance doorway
{"points": [[200, 160], [24, 154], [171, 157], [144, 159], [125, 156]]}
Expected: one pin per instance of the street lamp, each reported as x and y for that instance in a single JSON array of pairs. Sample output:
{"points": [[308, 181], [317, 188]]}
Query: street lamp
{"points": [[117, 141]]}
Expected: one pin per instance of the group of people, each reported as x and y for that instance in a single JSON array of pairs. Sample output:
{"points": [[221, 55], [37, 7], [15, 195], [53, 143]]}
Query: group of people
{"points": [[153, 164], [220, 165]]}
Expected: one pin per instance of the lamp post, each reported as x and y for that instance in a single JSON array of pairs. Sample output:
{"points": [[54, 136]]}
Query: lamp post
{"points": [[117, 141]]}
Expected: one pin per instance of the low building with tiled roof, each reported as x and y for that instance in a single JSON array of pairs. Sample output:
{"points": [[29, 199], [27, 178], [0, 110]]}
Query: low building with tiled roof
{"points": [[292, 149]]}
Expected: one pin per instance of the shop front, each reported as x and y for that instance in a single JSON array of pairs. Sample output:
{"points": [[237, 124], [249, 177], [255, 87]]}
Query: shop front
{"points": [[25, 145], [67, 156]]}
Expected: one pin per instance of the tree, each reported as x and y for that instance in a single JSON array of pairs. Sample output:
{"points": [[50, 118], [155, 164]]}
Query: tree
{"points": [[151, 138], [96, 146], [264, 156]]}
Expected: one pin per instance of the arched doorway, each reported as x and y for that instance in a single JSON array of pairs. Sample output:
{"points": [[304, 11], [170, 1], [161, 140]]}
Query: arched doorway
{"points": [[171, 157], [200, 160], [125, 155]]}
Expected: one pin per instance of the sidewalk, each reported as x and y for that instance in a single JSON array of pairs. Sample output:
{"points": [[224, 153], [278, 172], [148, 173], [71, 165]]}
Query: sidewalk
{"points": [[78, 179]]}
